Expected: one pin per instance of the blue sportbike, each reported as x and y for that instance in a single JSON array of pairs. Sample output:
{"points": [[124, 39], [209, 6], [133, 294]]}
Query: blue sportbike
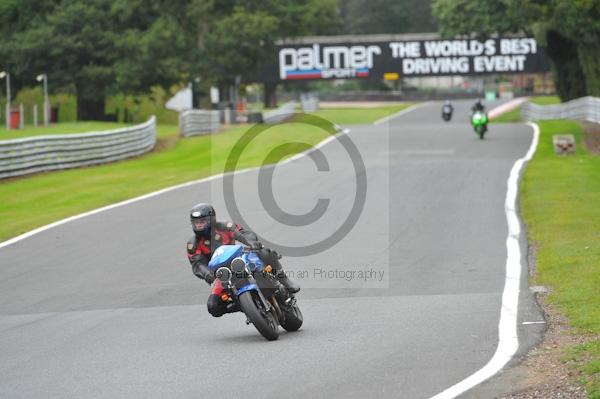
{"points": [[251, 284]]}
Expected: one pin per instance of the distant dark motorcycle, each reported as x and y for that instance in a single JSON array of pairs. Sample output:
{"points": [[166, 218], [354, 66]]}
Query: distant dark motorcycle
{"points": [[447, 110]]}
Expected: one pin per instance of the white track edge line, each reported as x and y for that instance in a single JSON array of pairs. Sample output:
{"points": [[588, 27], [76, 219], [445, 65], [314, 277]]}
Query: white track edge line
{"points": [[508, 340], [401, 112], [165, 190]]}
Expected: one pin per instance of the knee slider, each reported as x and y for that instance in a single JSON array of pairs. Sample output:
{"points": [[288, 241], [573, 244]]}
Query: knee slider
{"points": [[215, 306]]}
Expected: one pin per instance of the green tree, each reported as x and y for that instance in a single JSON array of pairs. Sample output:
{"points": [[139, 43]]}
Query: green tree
{"points": [[569, 29], [579, 21], [479, 18], [235, 37], [566, 66], [386, 16], [97, 47]]}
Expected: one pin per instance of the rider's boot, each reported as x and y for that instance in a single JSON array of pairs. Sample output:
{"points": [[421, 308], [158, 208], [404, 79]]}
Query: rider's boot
{"points": [[271, 257], [288, 283], [283, 278]]}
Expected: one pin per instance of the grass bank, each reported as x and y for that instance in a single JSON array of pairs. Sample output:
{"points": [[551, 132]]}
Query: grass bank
{"points": [[59, 128], [162, 131], [560, 197], [34, 201], [355, 116]]}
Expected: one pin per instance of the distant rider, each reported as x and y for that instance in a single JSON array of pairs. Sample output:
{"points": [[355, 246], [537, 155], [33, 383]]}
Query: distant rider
{"points": [[210, 234], [447, 108]]}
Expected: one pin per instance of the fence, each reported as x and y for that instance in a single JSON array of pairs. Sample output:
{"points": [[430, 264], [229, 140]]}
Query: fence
{"points": [[196, 122], [44, 153], [584, 108], [310, 102]]}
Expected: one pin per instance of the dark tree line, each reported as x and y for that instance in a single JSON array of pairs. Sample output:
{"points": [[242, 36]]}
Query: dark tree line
{"points": [[97, 48], [386, 16], [568, 29]]}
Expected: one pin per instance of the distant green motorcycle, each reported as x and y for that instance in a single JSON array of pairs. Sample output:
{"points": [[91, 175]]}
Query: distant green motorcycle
{"points": [[479, 120]]}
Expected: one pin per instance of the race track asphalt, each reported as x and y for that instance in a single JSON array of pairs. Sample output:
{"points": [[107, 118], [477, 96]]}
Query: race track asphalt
{"points": [[106, 306]]}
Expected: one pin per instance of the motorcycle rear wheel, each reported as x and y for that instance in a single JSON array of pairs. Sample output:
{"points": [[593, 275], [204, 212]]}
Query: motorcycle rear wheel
{"points": [[263, 321]]}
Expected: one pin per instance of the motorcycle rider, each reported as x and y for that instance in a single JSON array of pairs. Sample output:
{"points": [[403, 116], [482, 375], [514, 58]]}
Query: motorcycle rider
{"points": [[478, 106], [209, 234], [447, 108]]}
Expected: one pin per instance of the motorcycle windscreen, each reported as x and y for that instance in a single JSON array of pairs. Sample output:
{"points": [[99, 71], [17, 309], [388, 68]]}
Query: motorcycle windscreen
{"points": [[224, 255]]}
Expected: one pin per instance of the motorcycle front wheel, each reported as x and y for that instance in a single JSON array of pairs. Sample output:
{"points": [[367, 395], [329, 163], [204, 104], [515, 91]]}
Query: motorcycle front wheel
{"points": [[263, 320]]}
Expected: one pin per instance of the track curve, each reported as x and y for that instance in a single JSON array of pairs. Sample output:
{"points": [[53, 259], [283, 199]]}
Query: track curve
{"points": [[106, 305]]}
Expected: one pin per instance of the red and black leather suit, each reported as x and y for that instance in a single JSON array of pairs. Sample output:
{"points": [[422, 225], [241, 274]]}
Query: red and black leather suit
{"points": [[200, 249]]}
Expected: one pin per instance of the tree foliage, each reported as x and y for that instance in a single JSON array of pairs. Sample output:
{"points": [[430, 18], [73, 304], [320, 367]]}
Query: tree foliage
{"points": [[474, 17], [569, 29], [386, 16], [236, 36], [103, 47], [97, 47], [579, 21]]}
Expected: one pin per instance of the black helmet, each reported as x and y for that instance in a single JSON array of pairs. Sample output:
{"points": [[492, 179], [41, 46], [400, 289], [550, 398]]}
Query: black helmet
{"points": [[202, 217]]}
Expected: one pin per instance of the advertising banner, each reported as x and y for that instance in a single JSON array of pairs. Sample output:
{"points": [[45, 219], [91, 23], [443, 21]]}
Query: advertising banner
{"points": [[396, 59]]}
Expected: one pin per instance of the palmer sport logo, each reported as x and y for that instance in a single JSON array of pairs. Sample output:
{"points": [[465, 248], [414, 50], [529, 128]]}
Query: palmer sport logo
{"points": [[327, 62]]}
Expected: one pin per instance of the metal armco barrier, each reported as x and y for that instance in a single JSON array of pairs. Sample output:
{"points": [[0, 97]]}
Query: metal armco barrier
{"points": [[280, 114], [584, 108], [36, 154], [195, 122], [310, 103]]}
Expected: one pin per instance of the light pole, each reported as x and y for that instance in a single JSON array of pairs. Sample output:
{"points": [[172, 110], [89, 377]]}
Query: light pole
{"points": [[4, 74], [44, 78]]}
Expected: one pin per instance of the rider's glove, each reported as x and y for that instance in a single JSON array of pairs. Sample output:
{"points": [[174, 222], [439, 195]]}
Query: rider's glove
{"points": [[209, 278], [255, 245]]}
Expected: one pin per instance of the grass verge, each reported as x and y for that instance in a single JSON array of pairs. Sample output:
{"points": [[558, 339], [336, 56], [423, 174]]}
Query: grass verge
{"points": [[59, 128], [515, 115], [559, 202], [33, 201], [37, 200], [162, 131]]}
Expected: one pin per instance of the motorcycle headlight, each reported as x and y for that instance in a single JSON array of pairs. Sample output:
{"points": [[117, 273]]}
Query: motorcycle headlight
{"points": [[238, 266], [223, 274]]}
